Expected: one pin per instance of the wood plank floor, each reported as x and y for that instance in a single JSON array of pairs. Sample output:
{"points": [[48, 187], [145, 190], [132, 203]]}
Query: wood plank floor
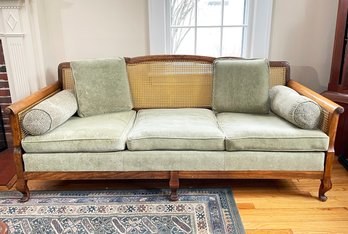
{"points": [[265, 206], [7, 169]]}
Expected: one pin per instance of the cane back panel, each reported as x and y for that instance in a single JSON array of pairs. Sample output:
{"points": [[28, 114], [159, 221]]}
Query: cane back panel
{"points": [[174, 82]]}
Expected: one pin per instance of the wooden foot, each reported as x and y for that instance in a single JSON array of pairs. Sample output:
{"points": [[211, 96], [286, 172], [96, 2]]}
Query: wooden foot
{"points": [[174, 195], [21, 186], [174, 185], [3, 228], [325, 186]]}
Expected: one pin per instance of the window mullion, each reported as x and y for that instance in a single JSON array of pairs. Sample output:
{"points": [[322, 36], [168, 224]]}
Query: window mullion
{"points": [[196, 10], [255, 33], [212, 26], [222, 26], [245, 29], [169, 29]]}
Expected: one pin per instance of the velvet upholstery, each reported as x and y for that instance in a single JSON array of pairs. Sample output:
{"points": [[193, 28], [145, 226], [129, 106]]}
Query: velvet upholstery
{"points": [[101, 86], [295, 108], [50, 113], [98, 133], [175, 160], [176, 129], [268, 133], [241, 86]]}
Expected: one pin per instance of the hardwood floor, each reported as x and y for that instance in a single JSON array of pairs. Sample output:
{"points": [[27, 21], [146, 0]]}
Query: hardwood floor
{"points": [[7, 169], [291, 206], [265, 206]]}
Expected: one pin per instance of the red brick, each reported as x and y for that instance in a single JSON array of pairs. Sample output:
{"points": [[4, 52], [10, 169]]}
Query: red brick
{"points": [[3, 76], [8, 129], [4, 105], [2, 59], [6, 99], [3, 84], [5, 92], [5, 120]]}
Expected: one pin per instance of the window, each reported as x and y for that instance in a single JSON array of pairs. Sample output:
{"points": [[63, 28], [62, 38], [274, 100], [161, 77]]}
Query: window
{"points": [[210, 27], [206, 27]]}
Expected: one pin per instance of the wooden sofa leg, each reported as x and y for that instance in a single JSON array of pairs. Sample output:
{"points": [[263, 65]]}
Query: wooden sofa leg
{"points": [[326, 183], [325, 186], [174, 185], [21, 183], [22, 186]]}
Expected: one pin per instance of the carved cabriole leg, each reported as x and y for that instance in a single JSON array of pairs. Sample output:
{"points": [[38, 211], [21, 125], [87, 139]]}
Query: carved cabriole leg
{"points": [[21, 184], [326, 184], [174, 185]]}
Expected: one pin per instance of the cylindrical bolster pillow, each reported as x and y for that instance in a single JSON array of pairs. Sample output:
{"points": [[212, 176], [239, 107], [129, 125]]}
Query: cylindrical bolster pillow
{"points": [[50, 113], [295, 108]]}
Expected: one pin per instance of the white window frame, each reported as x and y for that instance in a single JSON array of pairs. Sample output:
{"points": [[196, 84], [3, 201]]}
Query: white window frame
{"points": [[257, 38]]}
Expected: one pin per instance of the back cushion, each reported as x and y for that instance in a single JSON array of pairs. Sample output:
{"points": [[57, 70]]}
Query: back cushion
{"points": [[101, 86], [241, 86]]}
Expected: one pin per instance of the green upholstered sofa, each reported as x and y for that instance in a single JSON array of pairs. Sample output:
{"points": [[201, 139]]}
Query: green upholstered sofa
{"points": [[171, 95]]}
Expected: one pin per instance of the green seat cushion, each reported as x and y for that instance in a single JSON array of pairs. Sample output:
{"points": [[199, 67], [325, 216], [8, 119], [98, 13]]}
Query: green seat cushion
{"points": [[50, 113], [268, 133], [101, 86], [98, 133], [295, 108], [241, 86], [177, 129]]}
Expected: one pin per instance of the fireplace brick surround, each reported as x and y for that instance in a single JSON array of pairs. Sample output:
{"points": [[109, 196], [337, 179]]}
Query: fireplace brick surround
{"points": [[5, 96], [7, 166]]}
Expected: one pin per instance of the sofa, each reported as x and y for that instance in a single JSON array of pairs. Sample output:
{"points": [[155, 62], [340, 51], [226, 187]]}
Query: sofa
{"points": [[182, 122]]}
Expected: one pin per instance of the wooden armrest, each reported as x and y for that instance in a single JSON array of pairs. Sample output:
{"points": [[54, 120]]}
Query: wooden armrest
{"points": [[331, 107], [16, 108], [23, 104], [325, 103]]}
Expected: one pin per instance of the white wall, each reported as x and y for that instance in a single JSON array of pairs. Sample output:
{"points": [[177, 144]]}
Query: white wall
{"points": [[303, 34], [80, 29]]}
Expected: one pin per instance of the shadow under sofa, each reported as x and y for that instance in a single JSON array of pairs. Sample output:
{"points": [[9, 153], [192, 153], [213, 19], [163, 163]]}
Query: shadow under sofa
{"points": [[160, 94]]}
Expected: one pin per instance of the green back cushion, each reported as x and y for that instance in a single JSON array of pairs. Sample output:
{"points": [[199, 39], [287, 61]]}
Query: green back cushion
{"points": [[241, 86], [101, 86], [295, 108], [50, 113]]}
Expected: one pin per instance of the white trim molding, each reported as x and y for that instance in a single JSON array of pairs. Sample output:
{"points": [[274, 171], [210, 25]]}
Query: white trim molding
{"points": [[23, 64], [11, 4], [260, 28], [157, 26]]}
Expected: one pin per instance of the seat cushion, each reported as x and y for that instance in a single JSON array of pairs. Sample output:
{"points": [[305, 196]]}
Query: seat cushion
{"points": [[175, 129], [101, 86], [98, 133], [268, 133], [241, 86]]}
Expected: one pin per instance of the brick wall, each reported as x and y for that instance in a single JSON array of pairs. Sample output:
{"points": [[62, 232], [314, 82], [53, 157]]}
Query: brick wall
{"points": [[5, 97]]}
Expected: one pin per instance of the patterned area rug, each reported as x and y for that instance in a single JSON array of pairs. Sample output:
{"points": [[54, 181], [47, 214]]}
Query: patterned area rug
{"points": [[130, 211]]}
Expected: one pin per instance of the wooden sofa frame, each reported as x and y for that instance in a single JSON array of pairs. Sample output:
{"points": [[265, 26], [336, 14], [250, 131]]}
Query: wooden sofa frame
{"points": [[332, 109]]}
